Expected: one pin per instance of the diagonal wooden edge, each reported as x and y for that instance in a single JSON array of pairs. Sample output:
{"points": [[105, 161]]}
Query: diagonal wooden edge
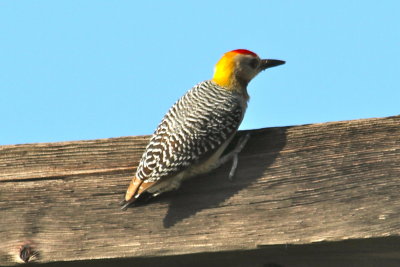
{"points": [[294, 185]]}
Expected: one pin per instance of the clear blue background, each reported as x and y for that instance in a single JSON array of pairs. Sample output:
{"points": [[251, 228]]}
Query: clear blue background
{"points": [[73, 70]]}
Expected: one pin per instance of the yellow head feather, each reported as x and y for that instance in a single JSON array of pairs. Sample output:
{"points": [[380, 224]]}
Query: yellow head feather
{"points": [[224, 74], [224, 70]]}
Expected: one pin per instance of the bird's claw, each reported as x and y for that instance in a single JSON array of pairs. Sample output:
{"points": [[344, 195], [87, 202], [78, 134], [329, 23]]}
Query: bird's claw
{"points": [[239, 147]]}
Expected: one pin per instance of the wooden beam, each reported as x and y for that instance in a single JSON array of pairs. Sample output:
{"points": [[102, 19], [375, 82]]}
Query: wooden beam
{"points": [[294, 185]]}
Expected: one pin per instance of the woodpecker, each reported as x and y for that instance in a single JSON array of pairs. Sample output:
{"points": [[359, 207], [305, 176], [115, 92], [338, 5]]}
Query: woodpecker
{"points": [[196, 130]]}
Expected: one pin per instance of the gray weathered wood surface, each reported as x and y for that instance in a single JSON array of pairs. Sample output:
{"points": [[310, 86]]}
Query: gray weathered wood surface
{"points": [[294, 185]]}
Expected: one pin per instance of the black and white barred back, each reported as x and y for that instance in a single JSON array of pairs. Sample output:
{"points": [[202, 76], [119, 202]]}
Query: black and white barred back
{"points": [[192, 130]]}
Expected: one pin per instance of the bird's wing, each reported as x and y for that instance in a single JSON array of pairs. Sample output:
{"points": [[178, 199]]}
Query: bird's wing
{"points": [[192, 130]]}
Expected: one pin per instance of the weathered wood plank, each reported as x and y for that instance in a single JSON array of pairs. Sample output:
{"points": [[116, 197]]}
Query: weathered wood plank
{"points": [[47, 160], [295, 185]]}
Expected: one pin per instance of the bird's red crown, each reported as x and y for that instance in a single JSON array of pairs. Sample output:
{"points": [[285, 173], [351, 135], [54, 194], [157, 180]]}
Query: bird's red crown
{"points": [[245, 52]]}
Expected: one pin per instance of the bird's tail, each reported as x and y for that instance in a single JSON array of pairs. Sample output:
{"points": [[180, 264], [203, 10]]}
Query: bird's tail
{"points": [[135, 189], [131, 192]]}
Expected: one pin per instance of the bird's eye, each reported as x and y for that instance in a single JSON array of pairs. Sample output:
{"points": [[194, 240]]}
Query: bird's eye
{"points": [[253, 63]]}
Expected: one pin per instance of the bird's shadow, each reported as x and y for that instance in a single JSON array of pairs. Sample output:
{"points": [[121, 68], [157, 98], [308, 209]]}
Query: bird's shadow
{"points": [[210, 190]]}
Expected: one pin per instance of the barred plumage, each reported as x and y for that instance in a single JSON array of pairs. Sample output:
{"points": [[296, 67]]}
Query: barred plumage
{"points": [[193, 129], [196, 130]]}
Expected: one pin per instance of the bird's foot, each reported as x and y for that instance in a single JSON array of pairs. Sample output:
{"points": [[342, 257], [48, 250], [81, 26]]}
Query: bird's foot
{"points": [[239, 147], [233, 155]]}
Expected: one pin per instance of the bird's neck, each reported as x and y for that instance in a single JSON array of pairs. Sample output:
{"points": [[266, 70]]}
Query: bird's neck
{"points": [[234, 85]]}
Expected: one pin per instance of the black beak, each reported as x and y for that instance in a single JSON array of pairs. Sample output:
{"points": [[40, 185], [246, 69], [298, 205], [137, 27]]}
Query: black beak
{"points": [[269, 63]]}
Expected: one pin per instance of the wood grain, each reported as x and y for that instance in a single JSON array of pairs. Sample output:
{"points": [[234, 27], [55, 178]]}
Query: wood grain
{"points": [[294, 185]]}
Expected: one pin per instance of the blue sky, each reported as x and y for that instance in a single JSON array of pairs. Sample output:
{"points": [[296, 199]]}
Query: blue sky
{"points": [[74, 70]]}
